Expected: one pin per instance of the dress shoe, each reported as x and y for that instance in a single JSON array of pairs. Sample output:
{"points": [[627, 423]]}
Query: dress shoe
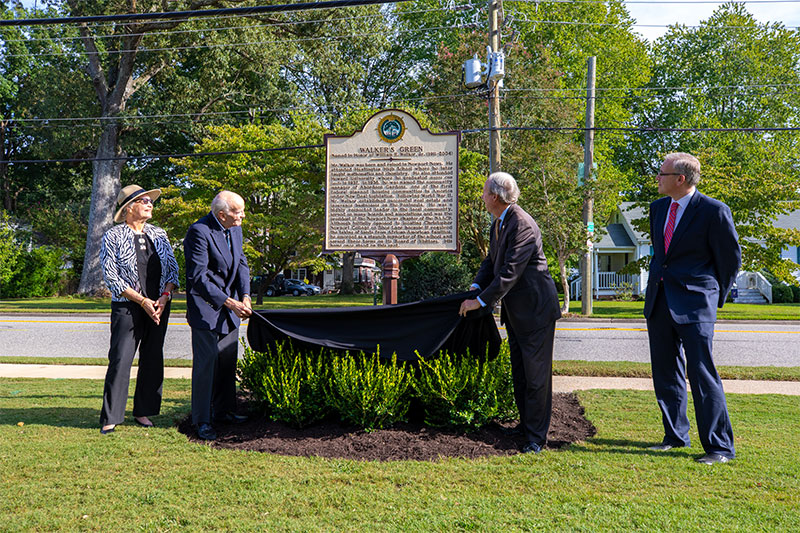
{"points": [[661, 447], [532, 447], [206, 432], [230, 418], [712, 459], [144, 422], [512, 431], [105, 430]]}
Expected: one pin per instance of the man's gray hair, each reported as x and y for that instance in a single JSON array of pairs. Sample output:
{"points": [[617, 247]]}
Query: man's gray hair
{"points": [[685, 164], [222, 202], [219, 204], [504, 186]]}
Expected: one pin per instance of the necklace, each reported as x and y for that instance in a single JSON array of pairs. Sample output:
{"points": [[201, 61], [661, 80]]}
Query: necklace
{"points": [[142, 242]]}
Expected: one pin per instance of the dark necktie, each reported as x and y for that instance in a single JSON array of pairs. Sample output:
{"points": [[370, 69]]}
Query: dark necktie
{"points": [[673, 210], [228, 239]]}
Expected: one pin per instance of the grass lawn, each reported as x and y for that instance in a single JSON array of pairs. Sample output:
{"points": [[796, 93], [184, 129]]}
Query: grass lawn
{"points": [[83, 304], [59, 473], [730, 311], [601, 309]]}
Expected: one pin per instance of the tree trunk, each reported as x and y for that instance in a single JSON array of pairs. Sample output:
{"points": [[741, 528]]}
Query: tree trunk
{"points": [[562, 268], [260, 291], [348, 261], [105, 187], [6, 187]]}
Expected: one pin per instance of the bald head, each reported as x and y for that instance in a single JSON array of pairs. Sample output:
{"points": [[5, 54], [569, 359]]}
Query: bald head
{"points": [[228, 207]]}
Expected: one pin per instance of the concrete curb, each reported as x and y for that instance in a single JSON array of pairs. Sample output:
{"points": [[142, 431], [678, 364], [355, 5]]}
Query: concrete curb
{"points": [[560, 383], [732, 386], [8, 370]]}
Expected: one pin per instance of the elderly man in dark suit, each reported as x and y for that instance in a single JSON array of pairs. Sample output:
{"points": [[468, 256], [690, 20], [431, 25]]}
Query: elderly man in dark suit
{"points": [[217, 298], [516, 271], [696, 256]]}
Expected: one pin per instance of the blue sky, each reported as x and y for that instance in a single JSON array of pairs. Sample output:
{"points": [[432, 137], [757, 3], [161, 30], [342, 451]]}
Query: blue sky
{"points": [[692, 12]]}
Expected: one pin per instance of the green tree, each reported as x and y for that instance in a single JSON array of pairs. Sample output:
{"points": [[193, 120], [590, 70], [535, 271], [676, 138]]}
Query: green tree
{"points": [[283, 191], [9, 249], [564, 35], [131, 71], [544, 162], [730, 72]]}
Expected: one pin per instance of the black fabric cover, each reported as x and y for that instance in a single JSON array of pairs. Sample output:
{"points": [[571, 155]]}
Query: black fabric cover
{"points": [[413, 330]]}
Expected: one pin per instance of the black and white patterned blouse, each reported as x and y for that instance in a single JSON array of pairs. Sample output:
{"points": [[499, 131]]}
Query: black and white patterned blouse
{"points": [[118, 259]]}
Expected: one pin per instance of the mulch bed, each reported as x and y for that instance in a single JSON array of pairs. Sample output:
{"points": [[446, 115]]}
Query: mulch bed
{"points": [[405, 441]]}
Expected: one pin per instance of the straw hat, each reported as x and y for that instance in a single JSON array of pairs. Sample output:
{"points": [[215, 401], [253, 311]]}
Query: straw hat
{"points": [[128, 195]]}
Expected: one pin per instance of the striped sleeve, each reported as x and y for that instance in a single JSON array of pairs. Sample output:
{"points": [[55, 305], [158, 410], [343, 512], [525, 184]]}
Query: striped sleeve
{"points": [[108, 262]]}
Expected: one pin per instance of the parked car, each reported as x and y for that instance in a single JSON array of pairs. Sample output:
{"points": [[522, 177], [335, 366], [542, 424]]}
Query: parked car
{"points": [[281, 286], [296, 287]]}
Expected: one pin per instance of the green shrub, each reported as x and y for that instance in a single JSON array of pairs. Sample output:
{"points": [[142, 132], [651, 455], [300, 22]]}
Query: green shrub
{"points": [[368, 392], [289, 385], [251, 369], [795, 293], [36, 273], [464, 391], [782, 294], [433, 274]]}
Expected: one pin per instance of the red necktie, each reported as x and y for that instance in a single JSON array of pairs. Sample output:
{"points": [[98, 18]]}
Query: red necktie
{"points": [[673, 209]]}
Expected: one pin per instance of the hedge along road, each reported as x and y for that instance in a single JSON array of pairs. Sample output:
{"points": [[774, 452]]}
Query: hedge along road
{"points": [[762, 343]]}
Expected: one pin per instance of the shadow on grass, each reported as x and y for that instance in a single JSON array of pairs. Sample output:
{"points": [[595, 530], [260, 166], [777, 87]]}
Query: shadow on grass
{"points": [[626, 447], [172, 411]]}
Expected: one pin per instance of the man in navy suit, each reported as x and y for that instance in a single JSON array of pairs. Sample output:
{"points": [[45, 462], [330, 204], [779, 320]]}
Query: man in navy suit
{"points": [[516, 271], [217, 298], [696, 256]]}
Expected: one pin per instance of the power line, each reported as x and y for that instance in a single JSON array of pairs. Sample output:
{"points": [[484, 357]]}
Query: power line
{"points": [[185, 15], [303, 108], [635, 25], [70, 122], [552, 129], [637, 129], [163, 156], [459, 7], [659, 2], [142, 49], [682, 88]]}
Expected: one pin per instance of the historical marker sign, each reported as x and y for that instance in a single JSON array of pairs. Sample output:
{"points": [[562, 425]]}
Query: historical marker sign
{"points": [[392, 187]]}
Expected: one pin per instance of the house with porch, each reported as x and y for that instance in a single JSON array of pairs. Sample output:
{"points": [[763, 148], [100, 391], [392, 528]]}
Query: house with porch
{"points": [[623, 244], [792, 253]]}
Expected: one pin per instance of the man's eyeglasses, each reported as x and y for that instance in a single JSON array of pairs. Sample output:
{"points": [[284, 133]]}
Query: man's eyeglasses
{"points": [[143, 200], [660, 174]]}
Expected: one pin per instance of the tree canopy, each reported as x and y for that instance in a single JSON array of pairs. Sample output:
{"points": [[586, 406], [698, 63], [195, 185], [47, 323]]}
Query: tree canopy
{"points": [[109, 91]]}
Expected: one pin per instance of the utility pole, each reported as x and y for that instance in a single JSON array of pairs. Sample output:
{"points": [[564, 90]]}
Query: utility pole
{"points": [[495, 6], [588, 201]]}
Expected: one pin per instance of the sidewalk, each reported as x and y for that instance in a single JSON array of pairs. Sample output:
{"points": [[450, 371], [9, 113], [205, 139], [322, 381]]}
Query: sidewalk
{"points": [[560, 383]]}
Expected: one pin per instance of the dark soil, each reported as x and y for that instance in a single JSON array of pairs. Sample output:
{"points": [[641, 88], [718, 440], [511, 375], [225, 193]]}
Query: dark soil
{"points": [[404, 441]]}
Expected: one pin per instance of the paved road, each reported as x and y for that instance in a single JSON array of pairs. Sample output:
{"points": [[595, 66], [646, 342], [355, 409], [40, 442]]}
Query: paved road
{"points": [[752, 344], [78, 336], [735, 343]]}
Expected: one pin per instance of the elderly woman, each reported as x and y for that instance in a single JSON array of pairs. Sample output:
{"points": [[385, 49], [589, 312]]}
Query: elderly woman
{"points": [[140, 270]]}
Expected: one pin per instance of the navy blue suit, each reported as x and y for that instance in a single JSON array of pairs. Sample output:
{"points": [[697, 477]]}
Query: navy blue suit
{"points": [[214, 272], [685, 287]]}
